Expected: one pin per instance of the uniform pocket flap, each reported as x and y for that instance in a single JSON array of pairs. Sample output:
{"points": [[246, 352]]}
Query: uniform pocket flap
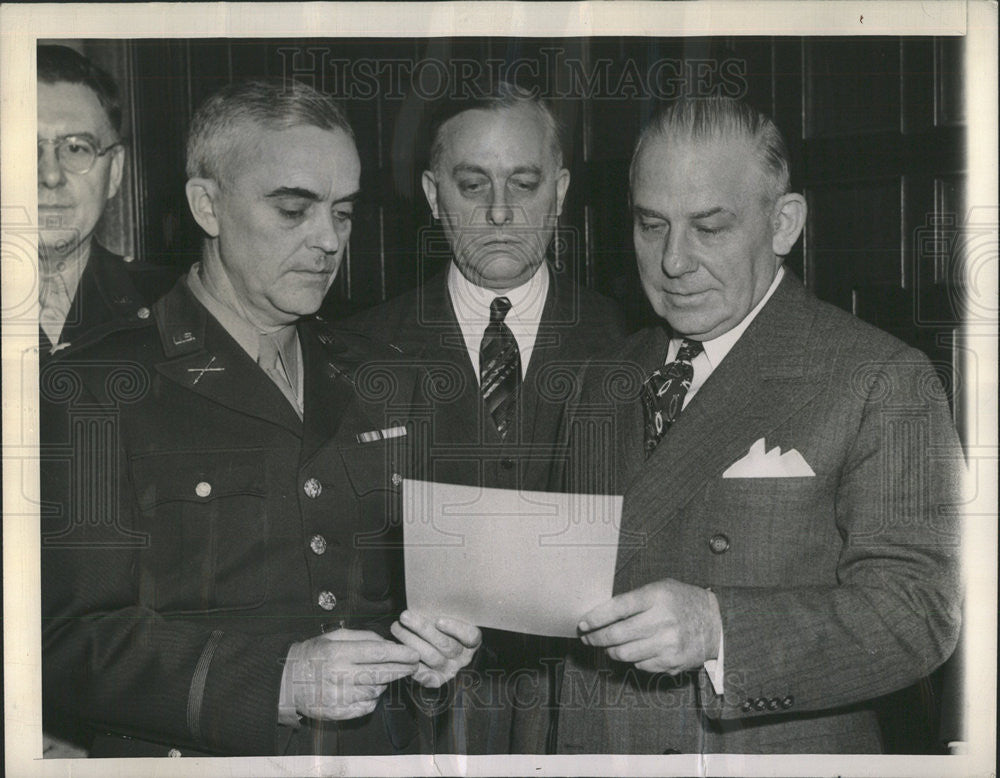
{"points": [[197, 476], [374, 466]]}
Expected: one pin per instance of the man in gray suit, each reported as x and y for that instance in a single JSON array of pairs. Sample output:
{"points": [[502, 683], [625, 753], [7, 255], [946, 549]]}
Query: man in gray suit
{"points": [[789, 530]]}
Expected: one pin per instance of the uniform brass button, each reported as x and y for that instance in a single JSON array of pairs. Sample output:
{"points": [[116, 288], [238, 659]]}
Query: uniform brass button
{"points": [[326, 600], [507, 463], [142, 313], [773, 704], [203, 489], [747, 706], [318, 544], [788, 702], [760, 704], [397, 479], [313, 488], [719, 544], [173, 752]]}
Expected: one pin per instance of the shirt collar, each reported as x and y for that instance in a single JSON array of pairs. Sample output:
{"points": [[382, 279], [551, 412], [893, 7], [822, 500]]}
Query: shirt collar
{"points": [[717, 348], [472, 303], [241, 330], [69, 269]]}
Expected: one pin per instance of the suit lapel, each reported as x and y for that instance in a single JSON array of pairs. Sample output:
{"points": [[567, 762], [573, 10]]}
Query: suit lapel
{"points": [[762, 382], [204, 359], [442, 341]]}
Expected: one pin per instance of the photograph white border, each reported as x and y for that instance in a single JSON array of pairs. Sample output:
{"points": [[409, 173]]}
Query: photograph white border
{"points": [[22, 24]]}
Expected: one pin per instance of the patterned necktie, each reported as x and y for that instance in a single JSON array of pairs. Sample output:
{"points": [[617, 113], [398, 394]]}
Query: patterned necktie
{"points": [[54, 305], [499, 367], [664, 391], [270, 359]]}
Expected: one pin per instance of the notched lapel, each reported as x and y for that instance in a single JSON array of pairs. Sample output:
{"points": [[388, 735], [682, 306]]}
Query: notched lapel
{"points": [[204, 359]]}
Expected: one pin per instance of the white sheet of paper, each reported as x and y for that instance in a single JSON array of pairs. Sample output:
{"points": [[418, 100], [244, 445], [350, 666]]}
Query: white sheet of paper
{"points": [[532, 562]]}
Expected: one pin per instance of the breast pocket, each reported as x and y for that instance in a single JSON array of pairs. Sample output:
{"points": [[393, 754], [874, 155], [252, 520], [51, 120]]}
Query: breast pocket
{"points": [[206, 515], [375, 472]]}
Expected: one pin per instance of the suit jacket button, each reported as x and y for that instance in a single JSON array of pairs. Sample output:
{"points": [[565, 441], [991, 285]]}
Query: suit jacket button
{"points": [[788, 702], [507, 463], [318, 544], [747, 706], [773, 704], [203, 489], [173, 752], [719, 543], [142, 313], [760, 704], [313, 488], [326, 600]]}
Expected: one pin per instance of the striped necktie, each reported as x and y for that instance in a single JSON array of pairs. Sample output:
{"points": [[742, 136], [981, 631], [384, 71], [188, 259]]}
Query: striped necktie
{"points": [[664, 391], [499, 368]]}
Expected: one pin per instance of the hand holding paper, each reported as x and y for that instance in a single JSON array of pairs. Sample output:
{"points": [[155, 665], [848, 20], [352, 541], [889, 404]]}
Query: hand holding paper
{"points": [[663, 627], [522, 561], [340, 675], [445, 645]]}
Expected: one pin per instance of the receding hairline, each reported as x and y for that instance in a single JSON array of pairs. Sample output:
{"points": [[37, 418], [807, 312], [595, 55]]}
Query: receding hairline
{"points": [[703, 122], [542, 115]]}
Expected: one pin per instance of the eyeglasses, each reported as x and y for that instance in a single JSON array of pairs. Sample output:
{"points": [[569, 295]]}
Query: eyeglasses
{"points": [[76, 153]]}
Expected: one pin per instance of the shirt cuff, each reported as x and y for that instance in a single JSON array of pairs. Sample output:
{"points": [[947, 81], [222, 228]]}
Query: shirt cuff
{"points": [[287, 713], [715, 670]]}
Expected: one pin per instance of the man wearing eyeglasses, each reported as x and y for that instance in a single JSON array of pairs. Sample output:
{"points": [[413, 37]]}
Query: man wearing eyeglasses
{"points": [[84, 290]]}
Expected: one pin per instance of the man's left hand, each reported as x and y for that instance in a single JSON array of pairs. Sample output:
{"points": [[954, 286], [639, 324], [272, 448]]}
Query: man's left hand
{"points": [[663, 627], [445, 645]]}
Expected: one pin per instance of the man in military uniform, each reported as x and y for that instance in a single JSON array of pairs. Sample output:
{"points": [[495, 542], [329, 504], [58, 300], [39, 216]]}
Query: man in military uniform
{"points": [[220, 565], [85, 291]]}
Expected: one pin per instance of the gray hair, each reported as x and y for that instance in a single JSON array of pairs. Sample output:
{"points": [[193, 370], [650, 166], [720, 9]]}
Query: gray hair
{"points": [[699, 119], [223, 125], [494, 97]]}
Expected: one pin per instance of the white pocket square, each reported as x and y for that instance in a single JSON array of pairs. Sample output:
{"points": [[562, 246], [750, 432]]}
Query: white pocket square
{"points": [[760, 463]]}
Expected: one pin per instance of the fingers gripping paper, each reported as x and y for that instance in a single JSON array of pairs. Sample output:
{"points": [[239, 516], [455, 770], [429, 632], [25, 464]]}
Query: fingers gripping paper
{"points": [[531, 562]]}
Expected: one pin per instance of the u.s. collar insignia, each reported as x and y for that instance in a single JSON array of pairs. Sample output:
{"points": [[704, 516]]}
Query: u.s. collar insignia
{"points": [[335, 372], [202, 370]]}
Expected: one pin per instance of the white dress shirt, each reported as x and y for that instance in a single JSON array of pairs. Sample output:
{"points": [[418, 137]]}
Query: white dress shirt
{"points": [[471, 304]]}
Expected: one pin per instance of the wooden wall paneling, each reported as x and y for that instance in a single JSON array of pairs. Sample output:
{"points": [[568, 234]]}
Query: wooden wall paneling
{"points": [[163, 101], [852, 86], [117, 228], [854, 242]]}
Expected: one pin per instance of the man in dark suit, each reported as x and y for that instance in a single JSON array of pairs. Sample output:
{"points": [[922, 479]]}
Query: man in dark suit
{"points": [[789, 533], [220, 563], [85, 291], [499, 331]]}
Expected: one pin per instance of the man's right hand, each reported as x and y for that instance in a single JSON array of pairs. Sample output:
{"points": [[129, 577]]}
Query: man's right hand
{"points": [[340, 675]]}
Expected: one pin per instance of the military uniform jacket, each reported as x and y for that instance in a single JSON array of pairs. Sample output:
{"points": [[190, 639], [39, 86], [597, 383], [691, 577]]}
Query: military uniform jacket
{"points": [[834, 588], [112, 295], [194, 528]]}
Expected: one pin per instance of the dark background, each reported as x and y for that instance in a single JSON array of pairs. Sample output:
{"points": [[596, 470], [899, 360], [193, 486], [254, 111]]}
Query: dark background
{"points": [[875, 126]]}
